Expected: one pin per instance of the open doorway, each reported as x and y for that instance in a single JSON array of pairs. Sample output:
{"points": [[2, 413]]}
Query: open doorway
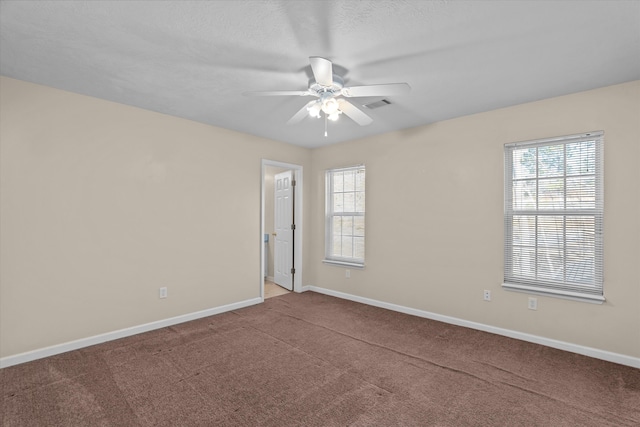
{"points": [[281, 228]]}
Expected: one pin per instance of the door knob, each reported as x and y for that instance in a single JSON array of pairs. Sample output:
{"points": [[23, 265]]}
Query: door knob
{"points": [[274, 234]]}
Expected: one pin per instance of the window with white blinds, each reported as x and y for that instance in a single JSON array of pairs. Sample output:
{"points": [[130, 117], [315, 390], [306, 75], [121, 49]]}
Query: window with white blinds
{"points": [[345, 191], [553, 217]]}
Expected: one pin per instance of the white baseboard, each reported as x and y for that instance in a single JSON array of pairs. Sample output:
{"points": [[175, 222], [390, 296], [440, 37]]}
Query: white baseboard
{"points": [[561, 345], [270, 279], [109, 336]]}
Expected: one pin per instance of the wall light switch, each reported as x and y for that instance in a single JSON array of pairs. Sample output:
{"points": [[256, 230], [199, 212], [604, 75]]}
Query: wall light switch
{"points": [[347, 273], [163, 292]]}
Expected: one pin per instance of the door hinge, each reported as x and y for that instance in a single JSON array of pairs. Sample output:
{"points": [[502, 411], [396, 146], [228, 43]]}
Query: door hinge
{"points": [[293, 182], [293, 226], [293, 271]]}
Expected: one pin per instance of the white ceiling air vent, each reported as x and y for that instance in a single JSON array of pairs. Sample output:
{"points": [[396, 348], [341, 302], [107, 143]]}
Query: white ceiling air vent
{"points": [[377, 104]]}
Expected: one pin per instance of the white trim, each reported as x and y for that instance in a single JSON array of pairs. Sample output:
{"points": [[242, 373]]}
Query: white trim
{"points": [[329, 214], [563, 286], [122, 333], [270, 279], [298, 241], [345, 168], [561, 345], [343, 263], [560, 139], [557, 293]]}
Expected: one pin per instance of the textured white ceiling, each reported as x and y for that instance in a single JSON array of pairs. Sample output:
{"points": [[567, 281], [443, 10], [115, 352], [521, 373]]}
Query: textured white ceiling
{"points": [[194, 59]]}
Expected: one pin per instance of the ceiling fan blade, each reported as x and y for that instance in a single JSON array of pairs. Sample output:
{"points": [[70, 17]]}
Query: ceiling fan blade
{"points": [[301, 114], [354, 113], [322, 70], [389, 89], [278, 93]]}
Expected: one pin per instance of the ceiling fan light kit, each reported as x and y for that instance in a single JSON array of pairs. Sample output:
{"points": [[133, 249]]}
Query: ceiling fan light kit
{"points": [[330, 91]]}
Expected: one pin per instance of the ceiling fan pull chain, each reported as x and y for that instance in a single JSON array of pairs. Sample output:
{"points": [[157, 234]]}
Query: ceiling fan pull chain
{"points": [[325, 125]]}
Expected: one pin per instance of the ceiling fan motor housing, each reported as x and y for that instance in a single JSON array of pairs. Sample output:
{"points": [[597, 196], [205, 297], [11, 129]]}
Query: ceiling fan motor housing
{"points": [[333, 90]]}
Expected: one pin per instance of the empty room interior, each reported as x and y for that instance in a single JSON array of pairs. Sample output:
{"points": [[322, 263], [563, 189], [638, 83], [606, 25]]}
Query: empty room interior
{"points": [[363, 213]]}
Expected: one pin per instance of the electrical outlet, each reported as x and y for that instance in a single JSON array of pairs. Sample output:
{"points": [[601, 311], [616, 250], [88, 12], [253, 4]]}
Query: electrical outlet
{"points": [[163, 292], [532, 303], [347, 274], [487, 295]]}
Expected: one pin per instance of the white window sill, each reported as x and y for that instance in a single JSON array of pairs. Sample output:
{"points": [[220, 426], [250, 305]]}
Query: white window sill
{"points": [[343, 263], [574, 296]]}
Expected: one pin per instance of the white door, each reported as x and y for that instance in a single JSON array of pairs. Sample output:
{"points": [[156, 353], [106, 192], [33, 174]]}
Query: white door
{"points": [[283, 236]]}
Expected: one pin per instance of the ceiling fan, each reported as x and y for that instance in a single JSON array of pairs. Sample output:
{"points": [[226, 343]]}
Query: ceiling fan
{"points": [[330, 92]]}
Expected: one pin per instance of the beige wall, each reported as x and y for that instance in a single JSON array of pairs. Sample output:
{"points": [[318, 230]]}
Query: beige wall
{"points": [[435, 227], [102, 204]]}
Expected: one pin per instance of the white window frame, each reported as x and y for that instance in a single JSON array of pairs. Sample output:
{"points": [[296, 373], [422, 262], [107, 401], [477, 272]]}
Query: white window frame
{"points": [[565, 285], [330, 213]]}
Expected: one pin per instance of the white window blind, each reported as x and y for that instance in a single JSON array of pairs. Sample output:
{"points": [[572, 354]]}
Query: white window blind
{"points": [[345, 211], [553, 218]]}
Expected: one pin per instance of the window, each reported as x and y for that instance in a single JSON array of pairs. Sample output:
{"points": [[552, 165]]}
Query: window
{"points": [[344, 228], [553, 217]]}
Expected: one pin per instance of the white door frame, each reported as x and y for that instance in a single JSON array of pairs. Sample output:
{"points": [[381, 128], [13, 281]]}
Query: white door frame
{"points": [[297, 238]]}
